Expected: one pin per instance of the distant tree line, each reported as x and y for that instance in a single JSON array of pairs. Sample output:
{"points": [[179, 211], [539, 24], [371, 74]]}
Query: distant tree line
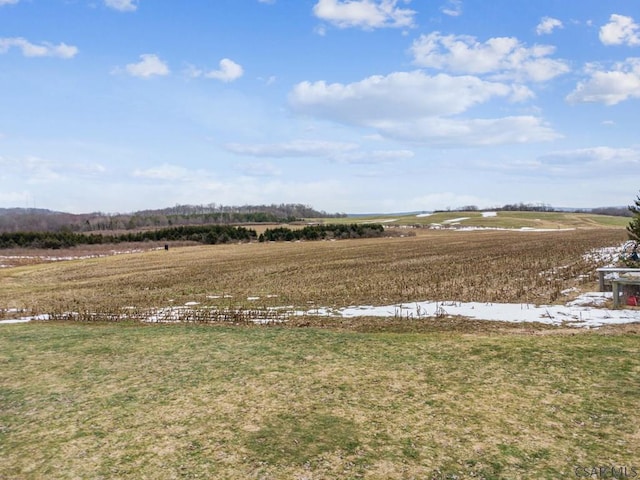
{"points": [[205, 234], [527, 207], [322, 232], [209, 234], [514, 207], [39, 220], [613, 211], [282, 210]]}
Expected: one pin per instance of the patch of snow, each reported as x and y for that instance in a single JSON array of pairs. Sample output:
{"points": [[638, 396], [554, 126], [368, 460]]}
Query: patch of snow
{"points": [[455, 220], [489, 214], [251, 299], [475, 229], [191, 304], [578, 313], [531, 229], [586, 311], [25, 319], [389, 220], [591, 299], [606, 256], [422, 215], [569, 291]]}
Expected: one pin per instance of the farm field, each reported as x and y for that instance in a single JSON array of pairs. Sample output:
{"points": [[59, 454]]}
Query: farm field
{"points": [[479, 266], [501, 219], [340, 398]]}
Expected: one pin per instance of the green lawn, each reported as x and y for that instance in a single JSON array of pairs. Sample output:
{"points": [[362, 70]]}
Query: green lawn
{"points": [[164, 402]]}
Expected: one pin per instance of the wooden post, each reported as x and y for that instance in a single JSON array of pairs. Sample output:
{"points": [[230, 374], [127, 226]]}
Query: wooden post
{"points": [[616, 293]]}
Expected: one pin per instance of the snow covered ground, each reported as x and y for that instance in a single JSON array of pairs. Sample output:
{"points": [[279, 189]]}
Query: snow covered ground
{"points": [[452, 221], [587, 310]]}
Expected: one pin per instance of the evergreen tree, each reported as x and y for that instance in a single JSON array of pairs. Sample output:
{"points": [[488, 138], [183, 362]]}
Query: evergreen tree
{"points": [[630, 256], [633, 229]]}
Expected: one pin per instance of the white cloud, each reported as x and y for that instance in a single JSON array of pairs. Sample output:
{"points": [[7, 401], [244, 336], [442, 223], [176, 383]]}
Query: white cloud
{"points": [[122, 5], [453, 8], [366, 14], [165, 172], [400, 95], [228, 71], [260, 169], [503, 57], [609, 87], [417, 107], [338, 151], [170, 184], [37, 170], [376, 157], [88, 169], [449, 132], [620, 30], [592, 161], [15, 198], [547, 25], [46, 49], [294, 148], [148, 66], [389, 155], [8, 2], [40, 170], [271, 80]]}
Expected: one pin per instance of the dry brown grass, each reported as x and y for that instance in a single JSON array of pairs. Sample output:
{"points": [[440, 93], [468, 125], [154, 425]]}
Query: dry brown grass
{"points": [[464, 266]]}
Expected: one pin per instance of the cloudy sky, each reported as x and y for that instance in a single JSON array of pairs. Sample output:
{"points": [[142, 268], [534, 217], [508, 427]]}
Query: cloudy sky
{"points": [[346, 105]]}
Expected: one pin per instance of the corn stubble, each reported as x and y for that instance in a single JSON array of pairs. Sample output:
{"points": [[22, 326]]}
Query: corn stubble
{"points": [[236, 283]]}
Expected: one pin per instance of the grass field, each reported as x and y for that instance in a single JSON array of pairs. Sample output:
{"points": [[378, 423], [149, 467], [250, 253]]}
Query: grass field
{"points": [[510, 220], [340, 398], [131, 401]]}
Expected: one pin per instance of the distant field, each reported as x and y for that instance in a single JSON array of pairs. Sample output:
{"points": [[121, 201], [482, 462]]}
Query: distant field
{"points": [[513, 220]]}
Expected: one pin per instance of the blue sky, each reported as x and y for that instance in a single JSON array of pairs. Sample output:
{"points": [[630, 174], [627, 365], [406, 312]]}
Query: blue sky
{"points": [[350, 106]]}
